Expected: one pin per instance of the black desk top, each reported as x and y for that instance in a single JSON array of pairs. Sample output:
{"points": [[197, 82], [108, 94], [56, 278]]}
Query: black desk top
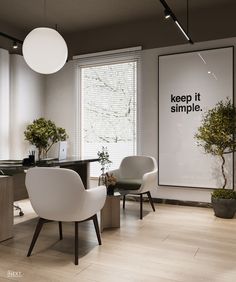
{"points": [[17, 164], [68, 161]]}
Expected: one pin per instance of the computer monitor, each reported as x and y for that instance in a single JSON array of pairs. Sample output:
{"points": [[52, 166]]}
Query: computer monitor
{"points": [[62, 153]]}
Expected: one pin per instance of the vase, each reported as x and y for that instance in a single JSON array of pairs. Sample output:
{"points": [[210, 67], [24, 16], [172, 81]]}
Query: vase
{"points": [[102, 179], [110, 190], [42, 154]]}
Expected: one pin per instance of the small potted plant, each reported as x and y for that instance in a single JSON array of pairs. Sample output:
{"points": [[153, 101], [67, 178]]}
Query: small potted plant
{"points": [[43, 134], [103, 159], [217, 137], [110, 182]]}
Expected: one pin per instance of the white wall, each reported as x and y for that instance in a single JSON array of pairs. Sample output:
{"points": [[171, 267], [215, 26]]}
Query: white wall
{"points": [[149, 136], [61, 103], [4, 103], [26, 103]]}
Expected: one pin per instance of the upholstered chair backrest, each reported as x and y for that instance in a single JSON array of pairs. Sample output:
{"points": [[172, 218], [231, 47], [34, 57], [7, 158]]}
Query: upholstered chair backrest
{"points": [[136, 166], [55, 193]]}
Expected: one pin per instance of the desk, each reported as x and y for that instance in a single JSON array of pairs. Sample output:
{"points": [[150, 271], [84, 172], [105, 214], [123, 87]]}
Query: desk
{"points": [[81, 166], [6, 208], [16, 170]]}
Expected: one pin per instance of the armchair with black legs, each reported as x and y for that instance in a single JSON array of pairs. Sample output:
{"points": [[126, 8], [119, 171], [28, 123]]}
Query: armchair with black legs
{"points": [[58, 194], [137, 175]]}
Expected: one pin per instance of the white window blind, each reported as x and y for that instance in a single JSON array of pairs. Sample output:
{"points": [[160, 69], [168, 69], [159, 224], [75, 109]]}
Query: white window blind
{"points": [[108, 105]]}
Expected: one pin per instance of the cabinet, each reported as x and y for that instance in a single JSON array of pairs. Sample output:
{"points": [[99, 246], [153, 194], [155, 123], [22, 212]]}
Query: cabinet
{"points": [[110, 213], [6, 208]]}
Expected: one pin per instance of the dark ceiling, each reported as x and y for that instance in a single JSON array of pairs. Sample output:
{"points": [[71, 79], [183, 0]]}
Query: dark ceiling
{"points": [[77, 15], [80, 18]]}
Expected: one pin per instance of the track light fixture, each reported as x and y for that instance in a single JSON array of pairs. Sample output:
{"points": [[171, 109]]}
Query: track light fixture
{"points": [[15, 45], [15, 41], [168, 13]]}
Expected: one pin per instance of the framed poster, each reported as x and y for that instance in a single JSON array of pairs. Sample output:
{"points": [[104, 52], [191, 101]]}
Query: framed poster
{"points": [[190, 84]]}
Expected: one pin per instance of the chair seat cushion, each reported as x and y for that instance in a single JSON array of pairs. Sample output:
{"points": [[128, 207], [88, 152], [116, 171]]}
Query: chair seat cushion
{"points": [[128, 184]]}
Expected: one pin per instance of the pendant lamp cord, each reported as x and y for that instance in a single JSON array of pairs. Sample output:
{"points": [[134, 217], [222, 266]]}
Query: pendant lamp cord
{"points": [[187, 16], [44, 12]]}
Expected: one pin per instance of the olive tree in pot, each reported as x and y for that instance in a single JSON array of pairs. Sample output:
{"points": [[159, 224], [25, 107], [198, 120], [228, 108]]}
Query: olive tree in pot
{"points": [[217, 137], [43, 134]]}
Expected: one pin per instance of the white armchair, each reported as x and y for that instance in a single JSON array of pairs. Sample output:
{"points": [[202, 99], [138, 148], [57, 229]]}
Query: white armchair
{"points": [[58, 194], [136, 175]]}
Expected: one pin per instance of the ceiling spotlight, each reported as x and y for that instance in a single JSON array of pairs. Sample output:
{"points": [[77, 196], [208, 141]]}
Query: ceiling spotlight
{"points": [[167, 14], [15, 45], [182, 30]]}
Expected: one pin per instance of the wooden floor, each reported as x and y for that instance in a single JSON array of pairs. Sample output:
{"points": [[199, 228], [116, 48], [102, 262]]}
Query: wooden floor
{"points": [[175, 243]]}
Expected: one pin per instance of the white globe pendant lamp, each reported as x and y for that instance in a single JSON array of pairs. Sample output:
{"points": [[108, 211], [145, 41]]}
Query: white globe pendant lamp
{"points": [[44, 50]]}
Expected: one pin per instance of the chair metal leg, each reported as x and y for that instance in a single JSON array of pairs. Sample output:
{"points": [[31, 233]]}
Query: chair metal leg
{"points": [[141, 206], [60, 230], [76, 242], [124, 202], [150, 200], [95, 222], [36, 234]]}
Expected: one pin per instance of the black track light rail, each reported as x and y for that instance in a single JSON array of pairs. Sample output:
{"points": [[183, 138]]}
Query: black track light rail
{"points": [[11, 37], [173, 16], [165, 5]]}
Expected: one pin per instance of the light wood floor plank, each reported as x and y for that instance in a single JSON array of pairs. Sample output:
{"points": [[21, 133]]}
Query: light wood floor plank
{"points": [[174, 244]]}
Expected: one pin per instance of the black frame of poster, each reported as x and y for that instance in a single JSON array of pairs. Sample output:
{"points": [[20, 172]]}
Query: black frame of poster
{"points": [[158, 124]]}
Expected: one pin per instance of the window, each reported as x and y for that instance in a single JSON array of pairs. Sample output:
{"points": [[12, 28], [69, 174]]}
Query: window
{"points": [[109, 110]]}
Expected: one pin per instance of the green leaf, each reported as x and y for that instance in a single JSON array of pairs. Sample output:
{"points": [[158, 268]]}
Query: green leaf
{"points": [[43, 133], [217, 132]]}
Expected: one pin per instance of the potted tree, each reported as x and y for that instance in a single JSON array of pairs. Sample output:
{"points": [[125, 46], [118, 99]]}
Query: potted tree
{"points": [[217, 137], [43, 134]]}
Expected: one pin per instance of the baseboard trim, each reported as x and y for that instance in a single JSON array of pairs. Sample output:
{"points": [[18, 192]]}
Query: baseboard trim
{"points": [[173, 202], [183, 203]]}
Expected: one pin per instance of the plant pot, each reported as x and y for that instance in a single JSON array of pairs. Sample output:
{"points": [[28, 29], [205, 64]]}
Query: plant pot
{"points": [[224, 208], [102, 179], [110, 190], [42, 154]]}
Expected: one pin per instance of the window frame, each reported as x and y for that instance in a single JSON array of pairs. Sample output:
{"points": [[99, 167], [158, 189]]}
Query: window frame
{"points": [[101, 61]]}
